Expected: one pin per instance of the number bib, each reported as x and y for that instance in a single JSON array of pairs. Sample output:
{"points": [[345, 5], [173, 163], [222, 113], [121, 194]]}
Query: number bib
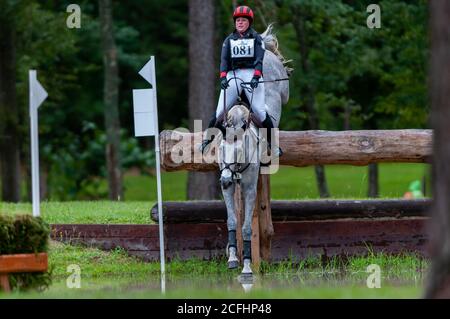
{"points": [[242, 48]]}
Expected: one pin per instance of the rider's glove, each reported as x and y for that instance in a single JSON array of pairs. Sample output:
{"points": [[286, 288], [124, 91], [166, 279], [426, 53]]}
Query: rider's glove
{"points": [[254, 82], [224, 83]]}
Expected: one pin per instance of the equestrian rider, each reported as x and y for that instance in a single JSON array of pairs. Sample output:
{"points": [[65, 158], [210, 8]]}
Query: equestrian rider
{"points": [[242, 61]]}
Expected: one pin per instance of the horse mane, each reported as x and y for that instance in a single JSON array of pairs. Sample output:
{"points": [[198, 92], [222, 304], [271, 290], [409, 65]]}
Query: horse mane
{"points": [[271, 44]]}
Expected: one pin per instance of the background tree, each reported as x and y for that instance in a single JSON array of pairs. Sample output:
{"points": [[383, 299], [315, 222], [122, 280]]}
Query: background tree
{"points": [[202, 83], [9, 123], [110, 98], [359, 78], [349, 76], [438, 285], [299, 17]]}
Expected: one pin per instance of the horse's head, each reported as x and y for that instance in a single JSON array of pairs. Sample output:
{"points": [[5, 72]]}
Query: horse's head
{"points": [[234, 147]]}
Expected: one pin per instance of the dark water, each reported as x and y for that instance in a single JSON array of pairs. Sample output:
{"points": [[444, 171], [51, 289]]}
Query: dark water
{"points": [[306, 284], [277, 282]]}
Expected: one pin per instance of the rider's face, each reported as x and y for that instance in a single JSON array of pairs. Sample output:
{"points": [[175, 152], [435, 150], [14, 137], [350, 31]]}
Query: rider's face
{"points": [[242, 24]]}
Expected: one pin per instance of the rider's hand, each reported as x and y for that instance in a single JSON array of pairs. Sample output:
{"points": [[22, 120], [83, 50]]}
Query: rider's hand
{"points": [[224, 83], [254, 82]]}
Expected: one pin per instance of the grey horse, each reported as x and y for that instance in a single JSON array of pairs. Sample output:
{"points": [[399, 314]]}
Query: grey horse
{"points": [[239, 154], [240, 150]]}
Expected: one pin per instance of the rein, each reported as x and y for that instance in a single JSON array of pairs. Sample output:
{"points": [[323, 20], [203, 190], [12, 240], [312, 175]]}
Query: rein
{"points": [[267, 81]]}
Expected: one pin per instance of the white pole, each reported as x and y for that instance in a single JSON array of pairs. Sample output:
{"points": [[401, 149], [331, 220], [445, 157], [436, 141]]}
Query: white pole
{"points": [[158, 178], [34, 146]]}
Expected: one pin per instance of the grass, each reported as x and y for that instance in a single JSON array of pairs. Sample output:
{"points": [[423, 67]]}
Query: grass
{"points": [[344, 181], [87, 212], [289, 183], [116, 275]]}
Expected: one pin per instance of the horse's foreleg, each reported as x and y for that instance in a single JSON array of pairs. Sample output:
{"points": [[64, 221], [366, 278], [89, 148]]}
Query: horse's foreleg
{"points": [[250, 197], [228, 195]]}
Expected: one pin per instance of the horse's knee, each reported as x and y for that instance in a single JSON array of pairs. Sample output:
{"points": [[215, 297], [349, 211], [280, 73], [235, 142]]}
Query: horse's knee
{"points": [[246, 232], [231, 223]]}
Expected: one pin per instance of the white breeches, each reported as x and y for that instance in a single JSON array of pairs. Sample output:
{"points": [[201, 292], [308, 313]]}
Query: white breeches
{"points": [[257, 101]]}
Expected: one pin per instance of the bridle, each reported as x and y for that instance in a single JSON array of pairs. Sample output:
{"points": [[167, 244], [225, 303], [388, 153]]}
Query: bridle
{"points": [[236, 173]]}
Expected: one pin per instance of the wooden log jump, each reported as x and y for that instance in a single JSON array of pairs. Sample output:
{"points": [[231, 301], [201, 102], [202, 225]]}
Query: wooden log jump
{"points": [[291, 241], [180, 151], [214, 211], [304, 148]]}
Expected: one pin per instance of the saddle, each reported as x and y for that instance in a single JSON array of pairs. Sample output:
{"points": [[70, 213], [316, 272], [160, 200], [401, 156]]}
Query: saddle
{"points": [[253, 118]]}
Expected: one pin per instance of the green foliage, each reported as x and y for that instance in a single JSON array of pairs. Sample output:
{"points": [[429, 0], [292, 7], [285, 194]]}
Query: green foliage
{"points": [[378, 76], [78, 169], [30, 281], [25, 234]]}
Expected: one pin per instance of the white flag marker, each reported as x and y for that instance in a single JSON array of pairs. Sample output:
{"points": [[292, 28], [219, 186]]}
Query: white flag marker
{"points": [[37, 96], [144, 112], [148, 71], [146, 124]]}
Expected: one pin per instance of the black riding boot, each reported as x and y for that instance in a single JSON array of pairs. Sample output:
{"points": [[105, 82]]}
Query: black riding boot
{"points": [[268, 124], [212, 123]]}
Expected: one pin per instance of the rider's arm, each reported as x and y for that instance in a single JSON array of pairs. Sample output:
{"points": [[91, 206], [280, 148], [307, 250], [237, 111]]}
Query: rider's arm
{"points": [[225, 58], [259, 56]]}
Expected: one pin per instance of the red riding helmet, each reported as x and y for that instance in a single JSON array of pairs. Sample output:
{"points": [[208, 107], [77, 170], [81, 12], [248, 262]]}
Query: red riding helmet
{"points": [[243, 11]]}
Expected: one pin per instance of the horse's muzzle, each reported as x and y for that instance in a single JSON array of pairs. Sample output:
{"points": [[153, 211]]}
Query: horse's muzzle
{"points": [[226, 182]]}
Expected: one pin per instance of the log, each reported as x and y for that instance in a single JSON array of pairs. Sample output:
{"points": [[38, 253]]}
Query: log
{"points": [[215, 211], [256, 235], [180, 151], [240, 213], [265, 217]]}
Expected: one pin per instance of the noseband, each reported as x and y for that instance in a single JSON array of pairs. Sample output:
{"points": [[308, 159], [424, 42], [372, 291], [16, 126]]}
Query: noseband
{"points": [[235, 174]]}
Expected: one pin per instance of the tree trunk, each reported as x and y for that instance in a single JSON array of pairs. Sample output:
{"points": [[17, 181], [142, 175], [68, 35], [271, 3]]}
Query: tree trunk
{"points": [[110, 100], [321, 181], [298, 23], [373, 180], [9, 121], [202, 80], [438, 285]]}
